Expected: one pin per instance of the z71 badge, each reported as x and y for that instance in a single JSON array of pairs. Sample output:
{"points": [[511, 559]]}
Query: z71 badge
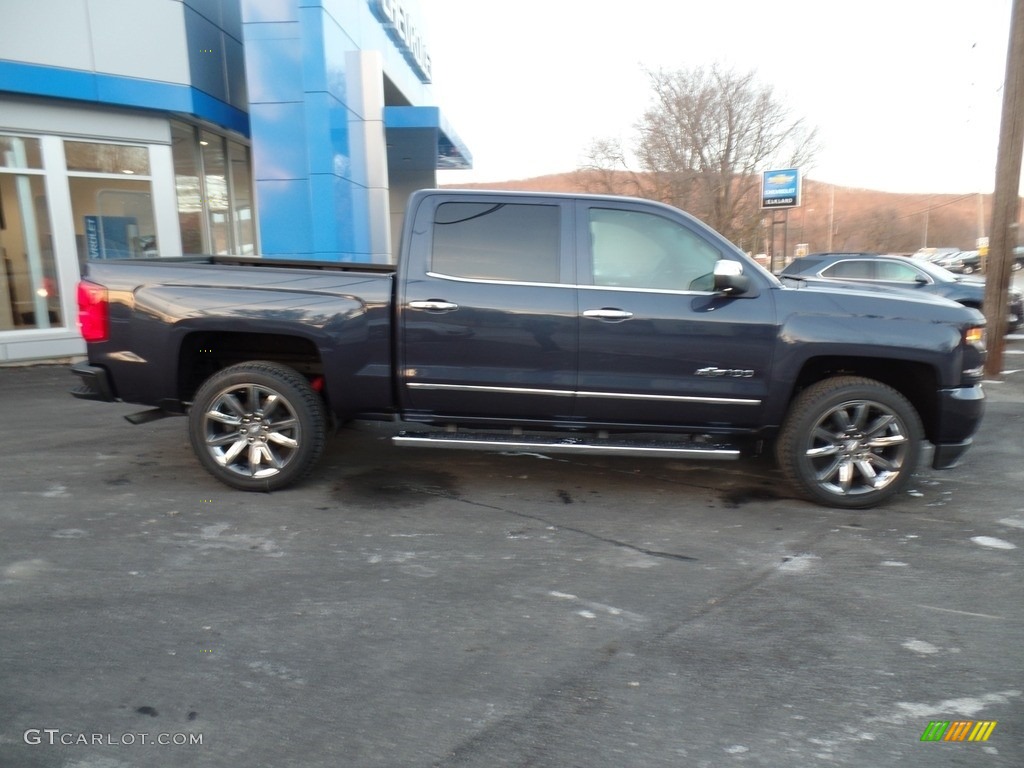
{"points": [[736, 373]]}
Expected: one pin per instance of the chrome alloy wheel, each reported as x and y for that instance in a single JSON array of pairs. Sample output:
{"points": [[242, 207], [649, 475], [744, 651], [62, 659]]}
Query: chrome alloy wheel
{"points": [[857, 447], [850, 442], [251, 430]]}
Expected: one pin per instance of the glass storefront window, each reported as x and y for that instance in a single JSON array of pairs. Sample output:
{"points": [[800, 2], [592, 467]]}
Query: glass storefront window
{"points": [[112, 206], [213, 177], [29, 295], [190, 194], [241, 199], [113, 218], [91, 157], [215, 171], [20, 152], [111, 187]]}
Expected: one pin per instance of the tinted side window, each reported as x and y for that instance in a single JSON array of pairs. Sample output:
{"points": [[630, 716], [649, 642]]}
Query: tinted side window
{"points": [[497, 241], [634, 249], [898, 272], [851, 270]]}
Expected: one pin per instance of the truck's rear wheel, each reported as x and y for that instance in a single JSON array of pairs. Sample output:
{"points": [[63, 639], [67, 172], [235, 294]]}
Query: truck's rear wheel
{"points": [[850, 442], [257, 426]]}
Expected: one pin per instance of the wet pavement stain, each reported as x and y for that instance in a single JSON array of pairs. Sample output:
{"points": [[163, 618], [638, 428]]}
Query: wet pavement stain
{"points": [[407, 488], [740, 496]]}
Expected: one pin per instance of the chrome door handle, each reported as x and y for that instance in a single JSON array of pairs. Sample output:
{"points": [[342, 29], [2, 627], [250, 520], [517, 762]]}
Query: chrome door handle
{"points": [[434, 305], [608, 314]]}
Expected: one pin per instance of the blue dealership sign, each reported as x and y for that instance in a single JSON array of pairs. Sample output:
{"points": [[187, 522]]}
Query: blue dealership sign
{"points": [[111, 237], [780, 189]]}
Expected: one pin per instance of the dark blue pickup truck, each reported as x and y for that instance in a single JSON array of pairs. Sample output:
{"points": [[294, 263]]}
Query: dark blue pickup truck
{"points": [[539, 322]]}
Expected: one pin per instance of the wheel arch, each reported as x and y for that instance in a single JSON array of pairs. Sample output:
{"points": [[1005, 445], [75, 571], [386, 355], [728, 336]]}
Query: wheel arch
{"points": [[916, 381], [204, 353]]}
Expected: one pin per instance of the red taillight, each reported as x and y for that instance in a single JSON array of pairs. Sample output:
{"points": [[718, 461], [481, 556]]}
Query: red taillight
{"points": [[92, 311]]}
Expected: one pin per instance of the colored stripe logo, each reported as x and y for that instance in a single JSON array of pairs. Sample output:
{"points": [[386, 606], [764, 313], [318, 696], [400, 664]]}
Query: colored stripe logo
{"points": [[959, 730]]}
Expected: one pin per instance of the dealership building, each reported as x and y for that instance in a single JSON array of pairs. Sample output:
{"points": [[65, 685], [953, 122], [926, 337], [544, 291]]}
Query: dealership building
{"points": [[143, 128]]}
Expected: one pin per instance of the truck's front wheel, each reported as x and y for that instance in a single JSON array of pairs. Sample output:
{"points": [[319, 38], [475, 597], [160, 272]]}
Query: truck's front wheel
{"points": [[257, 426], [850, 442]]}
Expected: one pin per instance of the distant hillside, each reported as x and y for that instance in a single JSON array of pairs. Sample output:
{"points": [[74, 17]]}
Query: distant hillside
{"points": [[862, 219]]}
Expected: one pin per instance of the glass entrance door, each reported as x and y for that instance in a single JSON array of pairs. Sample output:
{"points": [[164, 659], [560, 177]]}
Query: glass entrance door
{"points": [[29, 293]]}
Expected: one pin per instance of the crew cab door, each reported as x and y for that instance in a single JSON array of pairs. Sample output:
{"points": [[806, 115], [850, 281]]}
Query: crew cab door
{"points": [[487, 311], [658, 346]]}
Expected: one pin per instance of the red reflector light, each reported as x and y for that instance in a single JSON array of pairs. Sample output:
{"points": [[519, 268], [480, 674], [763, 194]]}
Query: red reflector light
{"points": [[92, 311]]}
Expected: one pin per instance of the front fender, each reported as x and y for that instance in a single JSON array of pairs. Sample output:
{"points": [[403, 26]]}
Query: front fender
{"points": [[865, 331]]}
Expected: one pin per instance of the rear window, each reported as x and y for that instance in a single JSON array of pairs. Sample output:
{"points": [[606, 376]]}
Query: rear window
{"points": [[851, 270], [497, 241]]}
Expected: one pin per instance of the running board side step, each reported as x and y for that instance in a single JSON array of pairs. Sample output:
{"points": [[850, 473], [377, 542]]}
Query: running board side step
{"points": [[534, 444]]}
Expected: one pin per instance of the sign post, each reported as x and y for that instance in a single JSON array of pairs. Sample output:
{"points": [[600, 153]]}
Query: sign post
{"points": [[780, 189]]}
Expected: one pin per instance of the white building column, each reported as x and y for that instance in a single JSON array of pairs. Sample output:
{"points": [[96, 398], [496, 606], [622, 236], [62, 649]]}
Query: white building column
{"points": [[365, 86]]}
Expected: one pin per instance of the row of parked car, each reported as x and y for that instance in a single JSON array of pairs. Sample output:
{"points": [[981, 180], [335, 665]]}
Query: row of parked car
{"points": [[902, 273], [964, 262]]}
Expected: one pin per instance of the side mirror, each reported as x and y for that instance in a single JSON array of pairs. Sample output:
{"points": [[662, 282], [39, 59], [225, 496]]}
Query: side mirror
{"points": [[729, 277]]}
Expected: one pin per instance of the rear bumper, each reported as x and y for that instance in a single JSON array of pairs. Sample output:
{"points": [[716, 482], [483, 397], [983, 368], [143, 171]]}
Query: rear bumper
{"points": [[94, 383], [960, 412]]}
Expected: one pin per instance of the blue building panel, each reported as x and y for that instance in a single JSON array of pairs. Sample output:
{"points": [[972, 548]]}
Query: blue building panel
{"points": [[328, 136], [357, 227], [99, 88], [225, 15], [279, 141], [347, 14], [218, 113], [40, 80], [129, 92], [234, 62], [276, 30], [206, 55], [274, 70], [326, 48], [286, 222], [451, 154], [263, 11], [318, 126], [339, 222]]}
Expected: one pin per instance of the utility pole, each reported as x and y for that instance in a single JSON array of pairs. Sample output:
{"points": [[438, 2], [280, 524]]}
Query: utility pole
{"points": [[831, 215], [1006, 200]]}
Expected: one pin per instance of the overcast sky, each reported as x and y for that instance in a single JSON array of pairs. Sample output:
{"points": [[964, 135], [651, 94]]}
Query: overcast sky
{"points": [[906, 94]]}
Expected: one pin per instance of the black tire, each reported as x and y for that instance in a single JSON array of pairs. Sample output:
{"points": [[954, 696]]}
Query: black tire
{"points": [[246, 444], [850, 442]]}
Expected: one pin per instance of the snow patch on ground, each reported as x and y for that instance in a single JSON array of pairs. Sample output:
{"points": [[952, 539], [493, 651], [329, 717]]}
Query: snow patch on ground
{"points": [[920, 646], [992, 542]]}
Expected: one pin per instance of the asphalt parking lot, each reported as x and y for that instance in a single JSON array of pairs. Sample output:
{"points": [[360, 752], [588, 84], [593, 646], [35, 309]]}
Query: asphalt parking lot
{"points": [[417, 608]]}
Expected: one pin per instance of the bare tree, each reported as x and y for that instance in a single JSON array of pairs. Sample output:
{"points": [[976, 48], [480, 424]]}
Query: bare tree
{"points": [[605, 170], [704, 141]]}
